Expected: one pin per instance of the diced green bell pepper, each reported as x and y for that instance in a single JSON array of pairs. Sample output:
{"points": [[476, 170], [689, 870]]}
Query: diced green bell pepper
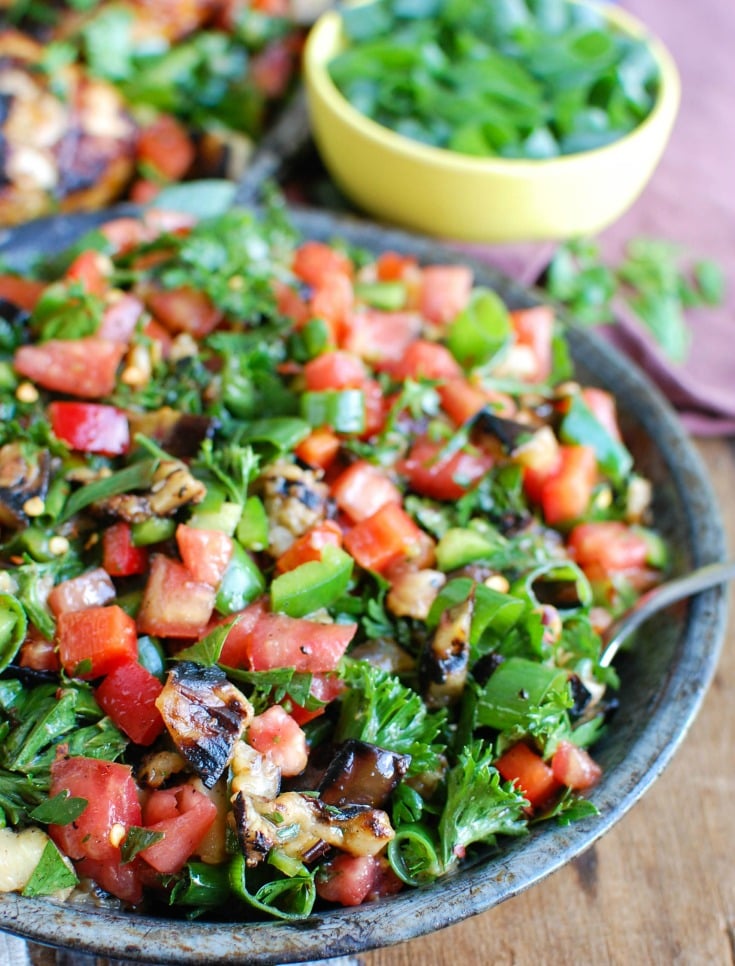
{"points": [[252, 528], [152, 530], [312, 585], [242, 582]]}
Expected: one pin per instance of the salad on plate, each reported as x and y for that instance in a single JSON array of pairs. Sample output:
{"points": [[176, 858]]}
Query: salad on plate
{"points": [[307, 554]]}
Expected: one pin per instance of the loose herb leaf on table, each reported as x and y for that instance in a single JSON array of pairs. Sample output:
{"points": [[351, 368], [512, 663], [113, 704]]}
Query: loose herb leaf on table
{"points": [[658, 280]]}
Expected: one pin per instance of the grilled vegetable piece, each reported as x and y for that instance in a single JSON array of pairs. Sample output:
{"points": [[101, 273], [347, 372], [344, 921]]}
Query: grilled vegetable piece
{"points": [[362, 774], [295, 500], [21, 479], [444, 661], [205, 716], [173, 487], [72, 151], [180, 434], [300, 826]]}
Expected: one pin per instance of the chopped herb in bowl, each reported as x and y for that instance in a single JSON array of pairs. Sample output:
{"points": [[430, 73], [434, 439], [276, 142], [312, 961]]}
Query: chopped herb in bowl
{"points": [[531, 79]]}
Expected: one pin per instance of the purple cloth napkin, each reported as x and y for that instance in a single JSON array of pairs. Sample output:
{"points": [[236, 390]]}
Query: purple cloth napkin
{"points": [[690, 200]]}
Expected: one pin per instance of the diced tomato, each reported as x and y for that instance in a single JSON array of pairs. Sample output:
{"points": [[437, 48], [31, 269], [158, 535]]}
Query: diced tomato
{"points": [[573, 767], [92, 269], [166, 146], [381, 337], [362, 489], [23, 292], [95, 641], [112, 809], [90, 427], [169, 221], [566, 495], [124, 233], [155, 331], [604, 409], [38, 653], [291, 304], [347, 879], [383, 538], [376, 408], [271, 69], [309, 546], [262, 641], [206, 553], [80, 367], [608, 544], [276, 734], [335, 370], [184, 310], [314, 260], [120, 318], [425, 360], [534, 328], [119, 879], [143, 191], [445, 291], [393, 266], [91, 589], [522, 765], [461, 400], [535, 477], [120, 557], [320, 448], [188, 816], [442, 479], [332, 301], [174, 603], [128, 696], [324, 687]]}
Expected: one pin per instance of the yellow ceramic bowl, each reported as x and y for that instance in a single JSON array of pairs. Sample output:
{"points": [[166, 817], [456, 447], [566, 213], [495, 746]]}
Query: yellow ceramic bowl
{"points": [[447, 194]]}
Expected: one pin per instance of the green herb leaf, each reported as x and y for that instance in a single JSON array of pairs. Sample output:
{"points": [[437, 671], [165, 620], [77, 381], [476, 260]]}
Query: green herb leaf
{"points": [[59, 810], [479, 807], [51, 874], [137, 840], [207, 650]]}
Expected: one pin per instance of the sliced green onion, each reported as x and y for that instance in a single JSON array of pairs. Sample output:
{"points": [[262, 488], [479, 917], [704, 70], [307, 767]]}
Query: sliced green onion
{"points": [[413, 856], [513, 688], [13, 624]]}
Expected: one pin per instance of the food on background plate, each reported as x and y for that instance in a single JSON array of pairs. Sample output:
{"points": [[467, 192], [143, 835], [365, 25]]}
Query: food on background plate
{"points": [[531, 80], [307, 555], [66, 137], [103, 99]]}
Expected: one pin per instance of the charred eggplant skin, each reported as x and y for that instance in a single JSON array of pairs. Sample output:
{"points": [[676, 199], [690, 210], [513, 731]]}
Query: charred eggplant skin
{"points": [[362, 774], [205, 716]]}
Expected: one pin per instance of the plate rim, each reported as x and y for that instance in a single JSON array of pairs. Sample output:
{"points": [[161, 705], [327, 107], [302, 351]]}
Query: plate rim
{"points": [[486, 883]]}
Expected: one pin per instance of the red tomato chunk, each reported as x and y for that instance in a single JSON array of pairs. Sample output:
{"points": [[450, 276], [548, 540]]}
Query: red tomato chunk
{"points": [[276, 734], [90, 427], [184, 815], [128, 695], [80, 367], [94, 838], [95, 641]]}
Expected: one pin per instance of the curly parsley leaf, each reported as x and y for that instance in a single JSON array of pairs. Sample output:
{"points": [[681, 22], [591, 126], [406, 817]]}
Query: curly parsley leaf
{"points": [[379, 709], [479, 807]]}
